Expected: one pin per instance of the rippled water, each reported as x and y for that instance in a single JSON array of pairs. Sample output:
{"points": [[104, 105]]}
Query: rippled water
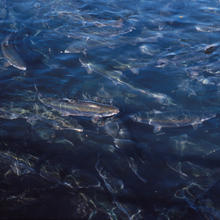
{"points": [[157, 62]]}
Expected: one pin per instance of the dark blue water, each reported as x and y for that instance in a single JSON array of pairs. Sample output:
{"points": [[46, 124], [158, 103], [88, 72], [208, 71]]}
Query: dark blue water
{"points": [[157, 62]]}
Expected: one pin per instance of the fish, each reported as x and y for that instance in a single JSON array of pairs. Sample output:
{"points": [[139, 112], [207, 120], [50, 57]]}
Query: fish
{"points": [[57, 123], [112, 184], [76, 47], [210, 48], [67, 107], [205, 28], [133, 166], [115, 76], [32, 116], [11, 55], [60, 123], [17, 165], [172, 119], [12, 113]]}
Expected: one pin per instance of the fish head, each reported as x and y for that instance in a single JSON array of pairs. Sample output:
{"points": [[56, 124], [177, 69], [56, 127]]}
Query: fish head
{"points": [[22, 67], [108, 111]]}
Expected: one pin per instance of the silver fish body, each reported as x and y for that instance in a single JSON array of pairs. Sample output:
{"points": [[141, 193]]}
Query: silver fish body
{"points": [[172, 119], [80, 108], [11, 55]]}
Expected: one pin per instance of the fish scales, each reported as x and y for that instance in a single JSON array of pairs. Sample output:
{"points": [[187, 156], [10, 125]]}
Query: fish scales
{"points": [[172, 119], [80, 108]]}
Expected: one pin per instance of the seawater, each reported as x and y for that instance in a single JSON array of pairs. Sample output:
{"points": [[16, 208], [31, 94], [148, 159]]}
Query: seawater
{"points": [[146, 58]]}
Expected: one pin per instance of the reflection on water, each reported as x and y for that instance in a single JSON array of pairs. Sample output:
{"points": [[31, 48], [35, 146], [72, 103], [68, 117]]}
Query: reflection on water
{"points": [[109, 109]]}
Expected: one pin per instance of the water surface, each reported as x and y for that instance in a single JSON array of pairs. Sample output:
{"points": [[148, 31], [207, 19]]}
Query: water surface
{"points": [[157, 62]]}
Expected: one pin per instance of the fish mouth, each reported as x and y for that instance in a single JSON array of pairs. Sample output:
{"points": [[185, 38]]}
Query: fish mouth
{"points": [[113, 112]]}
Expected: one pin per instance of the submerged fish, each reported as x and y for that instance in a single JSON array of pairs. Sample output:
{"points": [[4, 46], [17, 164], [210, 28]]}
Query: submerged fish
{"points": [[59, 123], [172, 119], [115, 76], [36, 114], [68, 107], [11, 55], [12, 113], [17, 165], [205, 28]]}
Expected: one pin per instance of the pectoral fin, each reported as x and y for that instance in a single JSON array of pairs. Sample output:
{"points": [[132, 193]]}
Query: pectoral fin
{"points": [[157, 128]]}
